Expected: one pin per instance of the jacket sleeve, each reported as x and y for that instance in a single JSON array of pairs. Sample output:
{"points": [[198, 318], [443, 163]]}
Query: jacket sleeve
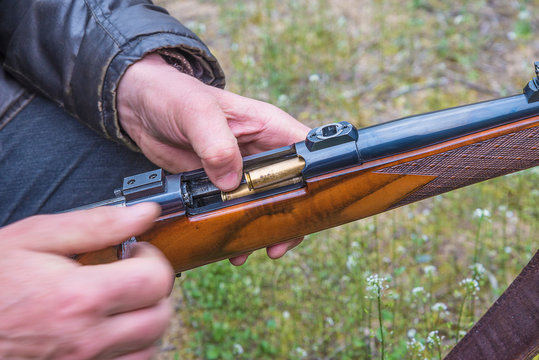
{"points": [[75, 52]]}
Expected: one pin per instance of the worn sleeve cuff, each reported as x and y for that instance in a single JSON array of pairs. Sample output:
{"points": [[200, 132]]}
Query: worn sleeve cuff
{"points": [[131, 44]]}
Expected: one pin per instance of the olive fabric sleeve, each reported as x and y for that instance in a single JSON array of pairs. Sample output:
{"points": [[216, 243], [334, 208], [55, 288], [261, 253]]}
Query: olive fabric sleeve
{"points": [[75, 52]]}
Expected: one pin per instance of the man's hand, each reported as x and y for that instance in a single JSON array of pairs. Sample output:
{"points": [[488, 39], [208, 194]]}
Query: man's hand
{"points": [[182, 124], [52, 307]]}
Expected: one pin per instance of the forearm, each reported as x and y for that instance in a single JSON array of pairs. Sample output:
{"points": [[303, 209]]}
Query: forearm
{"points": [[76, 54]]}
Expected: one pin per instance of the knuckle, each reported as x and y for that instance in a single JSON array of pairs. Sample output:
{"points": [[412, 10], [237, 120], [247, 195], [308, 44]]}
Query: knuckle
{"points": [[165, 279], [153, 267], [160, 278], [76, 301], [220, 155], [137, 281]]}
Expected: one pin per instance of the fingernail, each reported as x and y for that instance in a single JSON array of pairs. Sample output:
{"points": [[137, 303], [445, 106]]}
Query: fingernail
{"points": [[228, 182], [239, 260]]}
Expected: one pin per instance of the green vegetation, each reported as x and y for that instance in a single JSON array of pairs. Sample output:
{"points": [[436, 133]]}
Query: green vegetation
{"points": [[406, 284]]}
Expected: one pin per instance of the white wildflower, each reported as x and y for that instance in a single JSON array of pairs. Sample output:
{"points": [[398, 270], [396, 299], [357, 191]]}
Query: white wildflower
{"points": [[286, 314], [511, 35], [301, 352], [314, 78], [375, 285], [430, 270], [478, 271], [411, 333], [524, 14], [329, 321], [238, 349], [478, 268], [351, 262], [283, 100], [508, 249], [434, 339], [439, 307], [458, 19], [417, 291], [471, 286], [415, 347], [481, 213]]}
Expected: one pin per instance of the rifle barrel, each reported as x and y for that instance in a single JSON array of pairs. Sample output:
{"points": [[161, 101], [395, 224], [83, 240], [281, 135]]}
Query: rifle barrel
{"points": [[414, 132]]}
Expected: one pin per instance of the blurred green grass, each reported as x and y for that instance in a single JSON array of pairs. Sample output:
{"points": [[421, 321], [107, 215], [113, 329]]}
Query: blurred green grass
{"points": [[366, 62]]}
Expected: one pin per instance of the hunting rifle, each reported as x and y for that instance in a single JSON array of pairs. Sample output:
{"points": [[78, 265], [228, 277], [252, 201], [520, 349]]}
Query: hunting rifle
{"points": [[340, 174]]}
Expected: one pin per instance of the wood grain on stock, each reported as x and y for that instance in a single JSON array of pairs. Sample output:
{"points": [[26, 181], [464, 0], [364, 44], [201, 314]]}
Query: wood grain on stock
{"points": [[341, 197]]}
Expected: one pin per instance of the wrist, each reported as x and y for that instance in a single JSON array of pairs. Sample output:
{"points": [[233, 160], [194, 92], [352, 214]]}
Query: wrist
{"points": [[134, 84]]}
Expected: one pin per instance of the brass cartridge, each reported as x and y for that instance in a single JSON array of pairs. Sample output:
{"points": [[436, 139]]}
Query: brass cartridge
{"points": [[243, 189], [274, 173]]}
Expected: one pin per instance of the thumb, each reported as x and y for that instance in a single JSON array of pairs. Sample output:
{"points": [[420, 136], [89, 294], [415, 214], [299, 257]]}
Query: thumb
{"points": [[81, 231], [216, 146]]}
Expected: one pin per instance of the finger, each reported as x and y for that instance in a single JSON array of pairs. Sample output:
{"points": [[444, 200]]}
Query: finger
{"points": [[83, 231], [212, 140], [239, 260], [134, 331], [271, 126], [140, 281], [277, 251]]}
